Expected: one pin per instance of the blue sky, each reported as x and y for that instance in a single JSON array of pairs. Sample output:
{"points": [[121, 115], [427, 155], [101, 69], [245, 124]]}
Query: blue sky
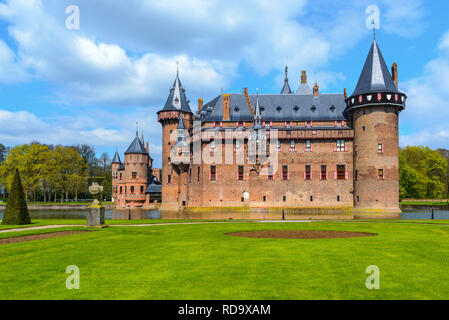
{"points": [[91, 85]]}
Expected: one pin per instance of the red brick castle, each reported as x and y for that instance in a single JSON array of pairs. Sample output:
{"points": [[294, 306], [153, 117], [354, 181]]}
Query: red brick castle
{"points": [[300, 150]]}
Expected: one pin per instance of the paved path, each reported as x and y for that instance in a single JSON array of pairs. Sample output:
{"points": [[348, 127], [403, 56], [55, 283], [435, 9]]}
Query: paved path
{"points": [[146, 225], [212, 222]]}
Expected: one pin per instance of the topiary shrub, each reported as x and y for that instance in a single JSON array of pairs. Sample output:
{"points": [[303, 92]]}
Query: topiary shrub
{"points": [[16, 212]]}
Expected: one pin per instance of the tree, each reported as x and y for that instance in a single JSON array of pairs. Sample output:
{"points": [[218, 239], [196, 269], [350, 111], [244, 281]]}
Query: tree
{"points": [[16, 212], [29, 159], [445, 154], [3, 153], [422, 173]]}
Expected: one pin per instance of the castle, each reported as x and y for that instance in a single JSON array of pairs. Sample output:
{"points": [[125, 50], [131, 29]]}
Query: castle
{"points": [[299, 150]]}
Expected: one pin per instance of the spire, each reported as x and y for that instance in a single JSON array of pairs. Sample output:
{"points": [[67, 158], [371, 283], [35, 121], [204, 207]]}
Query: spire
{"points": [[286, 89], [177, 99], [375, 76], [137, 129], [304, 88], [181, 132], [180, 122], [257, 115], [116, 159]]}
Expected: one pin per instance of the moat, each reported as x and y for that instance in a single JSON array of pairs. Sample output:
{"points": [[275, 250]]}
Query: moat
{"points": [[156, 214]]}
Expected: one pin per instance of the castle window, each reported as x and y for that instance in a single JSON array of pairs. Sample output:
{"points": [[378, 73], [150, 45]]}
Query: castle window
{"points": [[341, 172], [308, 173], [213, 173], [338, 198], [212, 146], [132, 189], [121, 189], [264, 198], [237, 146], [340, 146], [134, 175], [311, 198], [270, 175], [120, 176], [198, 175], [141, 189], [285, 173], [356, 177], [338, 124], [241, 173], [364, 129], [169, 179], [308, 146], [380, 148], [323, 173], [190, 175], [380, 174], [278, 146], [114, 174], [292, 146], [284, 198]]}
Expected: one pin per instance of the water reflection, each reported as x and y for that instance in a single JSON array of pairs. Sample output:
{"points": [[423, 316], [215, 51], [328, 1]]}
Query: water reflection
{"points": [[156, 214]]}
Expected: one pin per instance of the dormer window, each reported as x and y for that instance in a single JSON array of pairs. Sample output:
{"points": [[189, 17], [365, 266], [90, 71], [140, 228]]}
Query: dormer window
{"points": [[332, 108], [236, 109], [313, 108], [278, 109], [296, 108]]}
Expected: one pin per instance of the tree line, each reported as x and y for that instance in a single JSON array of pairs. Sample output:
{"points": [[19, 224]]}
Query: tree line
{"points": [[423, 173], [54, 172]]}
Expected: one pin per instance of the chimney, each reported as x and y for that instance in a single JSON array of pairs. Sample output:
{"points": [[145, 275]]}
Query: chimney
{"points": [[316, 90], [303, 76], [346, 94], [226, 106], [394, 74], [200, 104]]}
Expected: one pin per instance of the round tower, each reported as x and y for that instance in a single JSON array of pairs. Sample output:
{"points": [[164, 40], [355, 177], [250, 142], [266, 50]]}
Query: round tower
{"points": [[374, 109], [173, 183], [136, 173]]}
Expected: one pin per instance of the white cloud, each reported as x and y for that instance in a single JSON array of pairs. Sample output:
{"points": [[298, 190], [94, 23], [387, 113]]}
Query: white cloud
{"points": [[427, 108], [125, 52]]}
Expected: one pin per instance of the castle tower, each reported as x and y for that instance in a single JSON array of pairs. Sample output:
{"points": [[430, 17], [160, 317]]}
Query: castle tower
{"points": [[136, 173], [173, 176], [115, 165], [374, 109]]}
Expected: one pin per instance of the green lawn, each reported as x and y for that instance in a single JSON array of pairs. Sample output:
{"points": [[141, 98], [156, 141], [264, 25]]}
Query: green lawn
{"points": [[49, 222], [200, 262]]}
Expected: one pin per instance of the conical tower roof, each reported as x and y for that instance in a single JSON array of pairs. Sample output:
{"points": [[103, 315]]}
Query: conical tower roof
{"points": [[136, 147], [177, 100], [375, 77], [116, 159]]}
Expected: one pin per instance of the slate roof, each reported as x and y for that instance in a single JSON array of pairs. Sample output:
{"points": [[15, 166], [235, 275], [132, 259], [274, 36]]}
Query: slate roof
{"points": [[278, 107], [177, 99], [116, 158], [375, 76], [136, 147], [154, 188]]}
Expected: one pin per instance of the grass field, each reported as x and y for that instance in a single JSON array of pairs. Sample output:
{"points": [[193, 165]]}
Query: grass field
{"points": [[200, 262]]}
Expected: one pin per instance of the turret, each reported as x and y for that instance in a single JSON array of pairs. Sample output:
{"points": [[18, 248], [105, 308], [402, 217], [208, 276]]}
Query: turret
{"points": [[374, 109], [136, 172], [176, 108], [115, 165]]}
